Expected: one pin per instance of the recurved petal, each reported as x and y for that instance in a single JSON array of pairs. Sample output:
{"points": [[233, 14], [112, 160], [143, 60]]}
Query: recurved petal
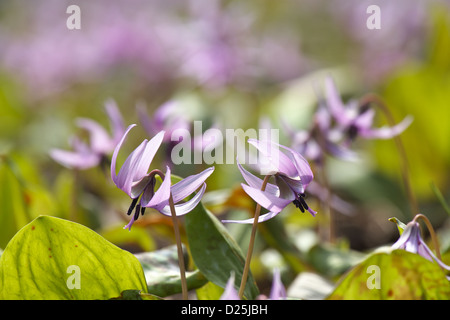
{"points": [[115, 117], [114, 176], [146, 158], [187, 186], [272, 159], [186, 207], [334, 102], [303, 170], [387, 132], [267, 200], [255, 182], [261, 218]]}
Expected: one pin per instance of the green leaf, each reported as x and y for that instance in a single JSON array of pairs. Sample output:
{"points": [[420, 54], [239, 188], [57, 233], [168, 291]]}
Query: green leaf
{"points": [[162, 272], [332, 261], [214, 251], [209, 291], [396, 274], [52, 258]]}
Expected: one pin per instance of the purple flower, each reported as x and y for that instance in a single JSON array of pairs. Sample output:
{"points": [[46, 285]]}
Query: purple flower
{"points": [[277, 292], [133, 178], [292, 175], [411, 241], [358, 121], [101, 144], [168, 117]]}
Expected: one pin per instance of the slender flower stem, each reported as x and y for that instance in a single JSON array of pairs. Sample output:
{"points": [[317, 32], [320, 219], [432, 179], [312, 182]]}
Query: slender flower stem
{"points": [[373, 98], [176, 230], [252, 242], [432, 233]]}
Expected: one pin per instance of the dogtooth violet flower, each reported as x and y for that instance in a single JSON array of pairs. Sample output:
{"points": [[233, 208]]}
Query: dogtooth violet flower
{"points": [[358, 121], [411, 241], [133, 178], [101, 144], [277, 291], [291, 173]]}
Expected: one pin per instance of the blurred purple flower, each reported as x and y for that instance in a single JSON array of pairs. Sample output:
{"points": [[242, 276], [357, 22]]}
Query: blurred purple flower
{"points": [[277, 292], [319, 139], [101, 144], [168, 117], [357, 121], [292, 175], [133, 178], [411, 241]]}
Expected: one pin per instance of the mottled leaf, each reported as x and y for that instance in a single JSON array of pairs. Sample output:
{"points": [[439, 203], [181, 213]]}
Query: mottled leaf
{"points": [[52, 258], [397, 275]]}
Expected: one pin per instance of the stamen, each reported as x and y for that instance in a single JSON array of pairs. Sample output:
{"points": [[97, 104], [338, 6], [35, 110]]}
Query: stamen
{"points": [[137, 212], [352, 132], [133, 204], [303, 202], [299, 205]]}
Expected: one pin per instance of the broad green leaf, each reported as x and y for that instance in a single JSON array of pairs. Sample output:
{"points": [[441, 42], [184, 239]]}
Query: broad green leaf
{"points": [[52, 258], [162, 272], [214, 251], [396, 274]]}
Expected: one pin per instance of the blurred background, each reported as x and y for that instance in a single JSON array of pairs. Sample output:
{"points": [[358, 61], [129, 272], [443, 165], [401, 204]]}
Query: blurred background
{"points": [[229, 64]]}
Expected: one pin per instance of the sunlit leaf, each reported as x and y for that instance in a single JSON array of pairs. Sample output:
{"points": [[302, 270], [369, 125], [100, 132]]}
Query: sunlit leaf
{"points": [[397, 274], [52, 258]]}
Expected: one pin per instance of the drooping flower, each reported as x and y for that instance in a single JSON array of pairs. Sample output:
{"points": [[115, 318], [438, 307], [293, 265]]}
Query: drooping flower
{"points": [[291, 173], [135, 180], [101, 144], [355, 121], [411, 241]]}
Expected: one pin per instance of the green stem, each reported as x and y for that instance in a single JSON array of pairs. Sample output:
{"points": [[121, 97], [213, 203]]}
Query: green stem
{"points": [[176, 229], [252, 242], [432, 233]]}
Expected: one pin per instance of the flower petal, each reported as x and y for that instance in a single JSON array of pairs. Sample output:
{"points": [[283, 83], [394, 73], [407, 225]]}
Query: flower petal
{"points": [[334, 102], [187, 186], [261, 218], [186, 207], [387, 132], [230, 293], [116, 120], [126, 177], [160, 198], [255, 182], [75, 160], [302, 166], [144, 161], [99, 137], [273, 160], [277, 292], [268, 200]]}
